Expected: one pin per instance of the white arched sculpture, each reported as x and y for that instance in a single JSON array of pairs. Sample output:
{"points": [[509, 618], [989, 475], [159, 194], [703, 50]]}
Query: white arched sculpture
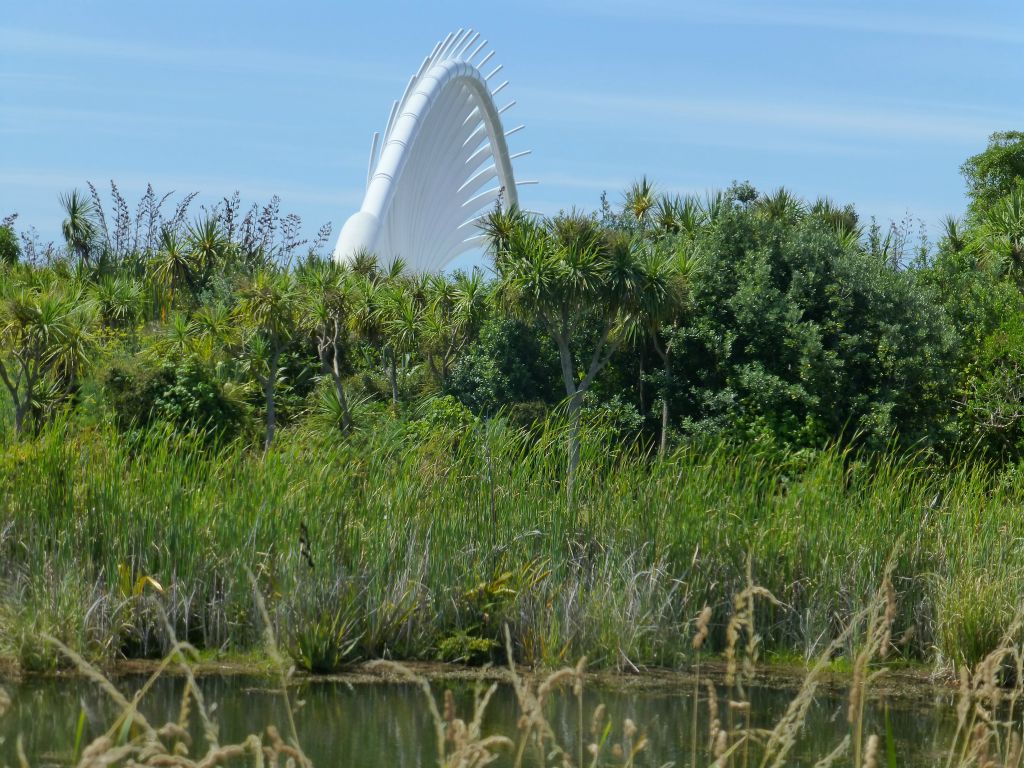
{"points": [[442, 163]]}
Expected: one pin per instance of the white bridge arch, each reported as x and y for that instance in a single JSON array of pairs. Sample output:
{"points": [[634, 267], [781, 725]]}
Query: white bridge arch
{"points": [[442, 163]]}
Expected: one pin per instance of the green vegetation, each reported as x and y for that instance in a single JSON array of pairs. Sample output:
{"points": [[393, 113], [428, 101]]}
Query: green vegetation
{"points": [[552, 722], [589, 446], [414, 535]]}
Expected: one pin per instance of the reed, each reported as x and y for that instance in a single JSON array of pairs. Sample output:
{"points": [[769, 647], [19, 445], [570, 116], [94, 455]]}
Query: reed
{"points": [[391, 541], [988, 731]]}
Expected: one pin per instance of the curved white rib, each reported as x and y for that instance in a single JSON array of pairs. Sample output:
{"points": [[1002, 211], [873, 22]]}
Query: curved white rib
{"points": [[443, 161]]}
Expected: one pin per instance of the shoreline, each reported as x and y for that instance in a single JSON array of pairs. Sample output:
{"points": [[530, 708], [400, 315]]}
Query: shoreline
{"points": [[906, 682]]}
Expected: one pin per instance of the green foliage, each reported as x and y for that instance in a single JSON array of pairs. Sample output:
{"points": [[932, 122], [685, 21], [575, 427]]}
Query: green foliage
{"points": [[761, 316], [46, 341], [324, 645], [508, 362], [121, 301], [186, 395], [466, 648], [377, 538], [10, 249], [992, 412], [440, 416], [621, 418], [80, 226], [995, 172], [794, 333], [785, 362], [998, 234]]}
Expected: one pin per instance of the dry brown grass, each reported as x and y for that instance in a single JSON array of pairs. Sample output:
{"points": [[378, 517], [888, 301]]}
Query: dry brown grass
{"points": [[988, 732]]}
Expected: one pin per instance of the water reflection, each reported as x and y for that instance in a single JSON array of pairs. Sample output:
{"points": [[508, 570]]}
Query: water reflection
{"points": [[387, 724]]}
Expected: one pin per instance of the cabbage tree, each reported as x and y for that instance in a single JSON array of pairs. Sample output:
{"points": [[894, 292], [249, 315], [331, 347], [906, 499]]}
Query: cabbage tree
{"points": [[79, 226], [267, 315], [46, 337], [326, 306], [580, 282]]}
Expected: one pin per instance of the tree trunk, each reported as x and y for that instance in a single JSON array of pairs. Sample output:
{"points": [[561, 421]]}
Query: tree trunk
{"points": [[268, 394], [640, 383], [664, 428], [575, 412], [346, 415], [393, 378], [19, 417], [575, 396], [667, 363], [21, 407], [329, 360]]}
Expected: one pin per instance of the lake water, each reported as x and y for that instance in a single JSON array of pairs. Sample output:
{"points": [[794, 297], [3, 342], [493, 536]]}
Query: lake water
{"points": [[386, 724]]}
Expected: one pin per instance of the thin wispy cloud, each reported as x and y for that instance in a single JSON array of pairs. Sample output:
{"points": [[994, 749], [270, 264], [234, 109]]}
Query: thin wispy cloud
{"points": [[38, 117], [850, 18], [33, 42], [825, 97], [860, 121]]}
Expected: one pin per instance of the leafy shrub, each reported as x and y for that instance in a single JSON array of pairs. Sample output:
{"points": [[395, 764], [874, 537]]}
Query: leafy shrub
{"points": [[442, 415], [795, 332], [326, 643], [466, 648], [618, 417], [508, 363], [186, 395], [10, 250], [527, 414]]}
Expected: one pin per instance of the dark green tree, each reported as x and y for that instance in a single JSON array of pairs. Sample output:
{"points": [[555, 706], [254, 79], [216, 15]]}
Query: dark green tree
{"points": [[995, 172], [10, 250]]}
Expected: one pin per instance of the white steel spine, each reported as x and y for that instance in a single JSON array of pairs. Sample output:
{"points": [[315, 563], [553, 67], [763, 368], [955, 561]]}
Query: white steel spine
{"points": [[441, 162]]}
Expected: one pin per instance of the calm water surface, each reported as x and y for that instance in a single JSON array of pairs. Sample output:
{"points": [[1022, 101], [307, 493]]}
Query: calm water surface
{"points": [[378, 725]]}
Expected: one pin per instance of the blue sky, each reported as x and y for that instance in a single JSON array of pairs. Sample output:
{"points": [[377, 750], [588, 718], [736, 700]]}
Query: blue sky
{"points": [[874, 103]]}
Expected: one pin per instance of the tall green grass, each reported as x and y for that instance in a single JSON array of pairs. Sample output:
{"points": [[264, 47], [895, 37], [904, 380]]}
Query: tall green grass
{"points": [[421, 543]]}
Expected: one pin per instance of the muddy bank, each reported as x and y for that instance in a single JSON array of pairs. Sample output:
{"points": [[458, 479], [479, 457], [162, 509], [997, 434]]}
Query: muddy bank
{"points": [[905, 683]]}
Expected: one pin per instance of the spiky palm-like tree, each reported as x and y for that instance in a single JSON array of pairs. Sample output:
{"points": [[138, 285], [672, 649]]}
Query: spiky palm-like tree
{"points": [[452, 314], [667, 271], [46, 337], [327, 304], [172, 265], [500, 224], [177, 337], [121, 301], [399, 318], [365, 265], [214, 329], [841, 220], [79, 226], [713, 206], [207, 244], [365, 321], [953, 234], [780, 206], [582, 286], [999, 235], [641, 201], [267, 313]]}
